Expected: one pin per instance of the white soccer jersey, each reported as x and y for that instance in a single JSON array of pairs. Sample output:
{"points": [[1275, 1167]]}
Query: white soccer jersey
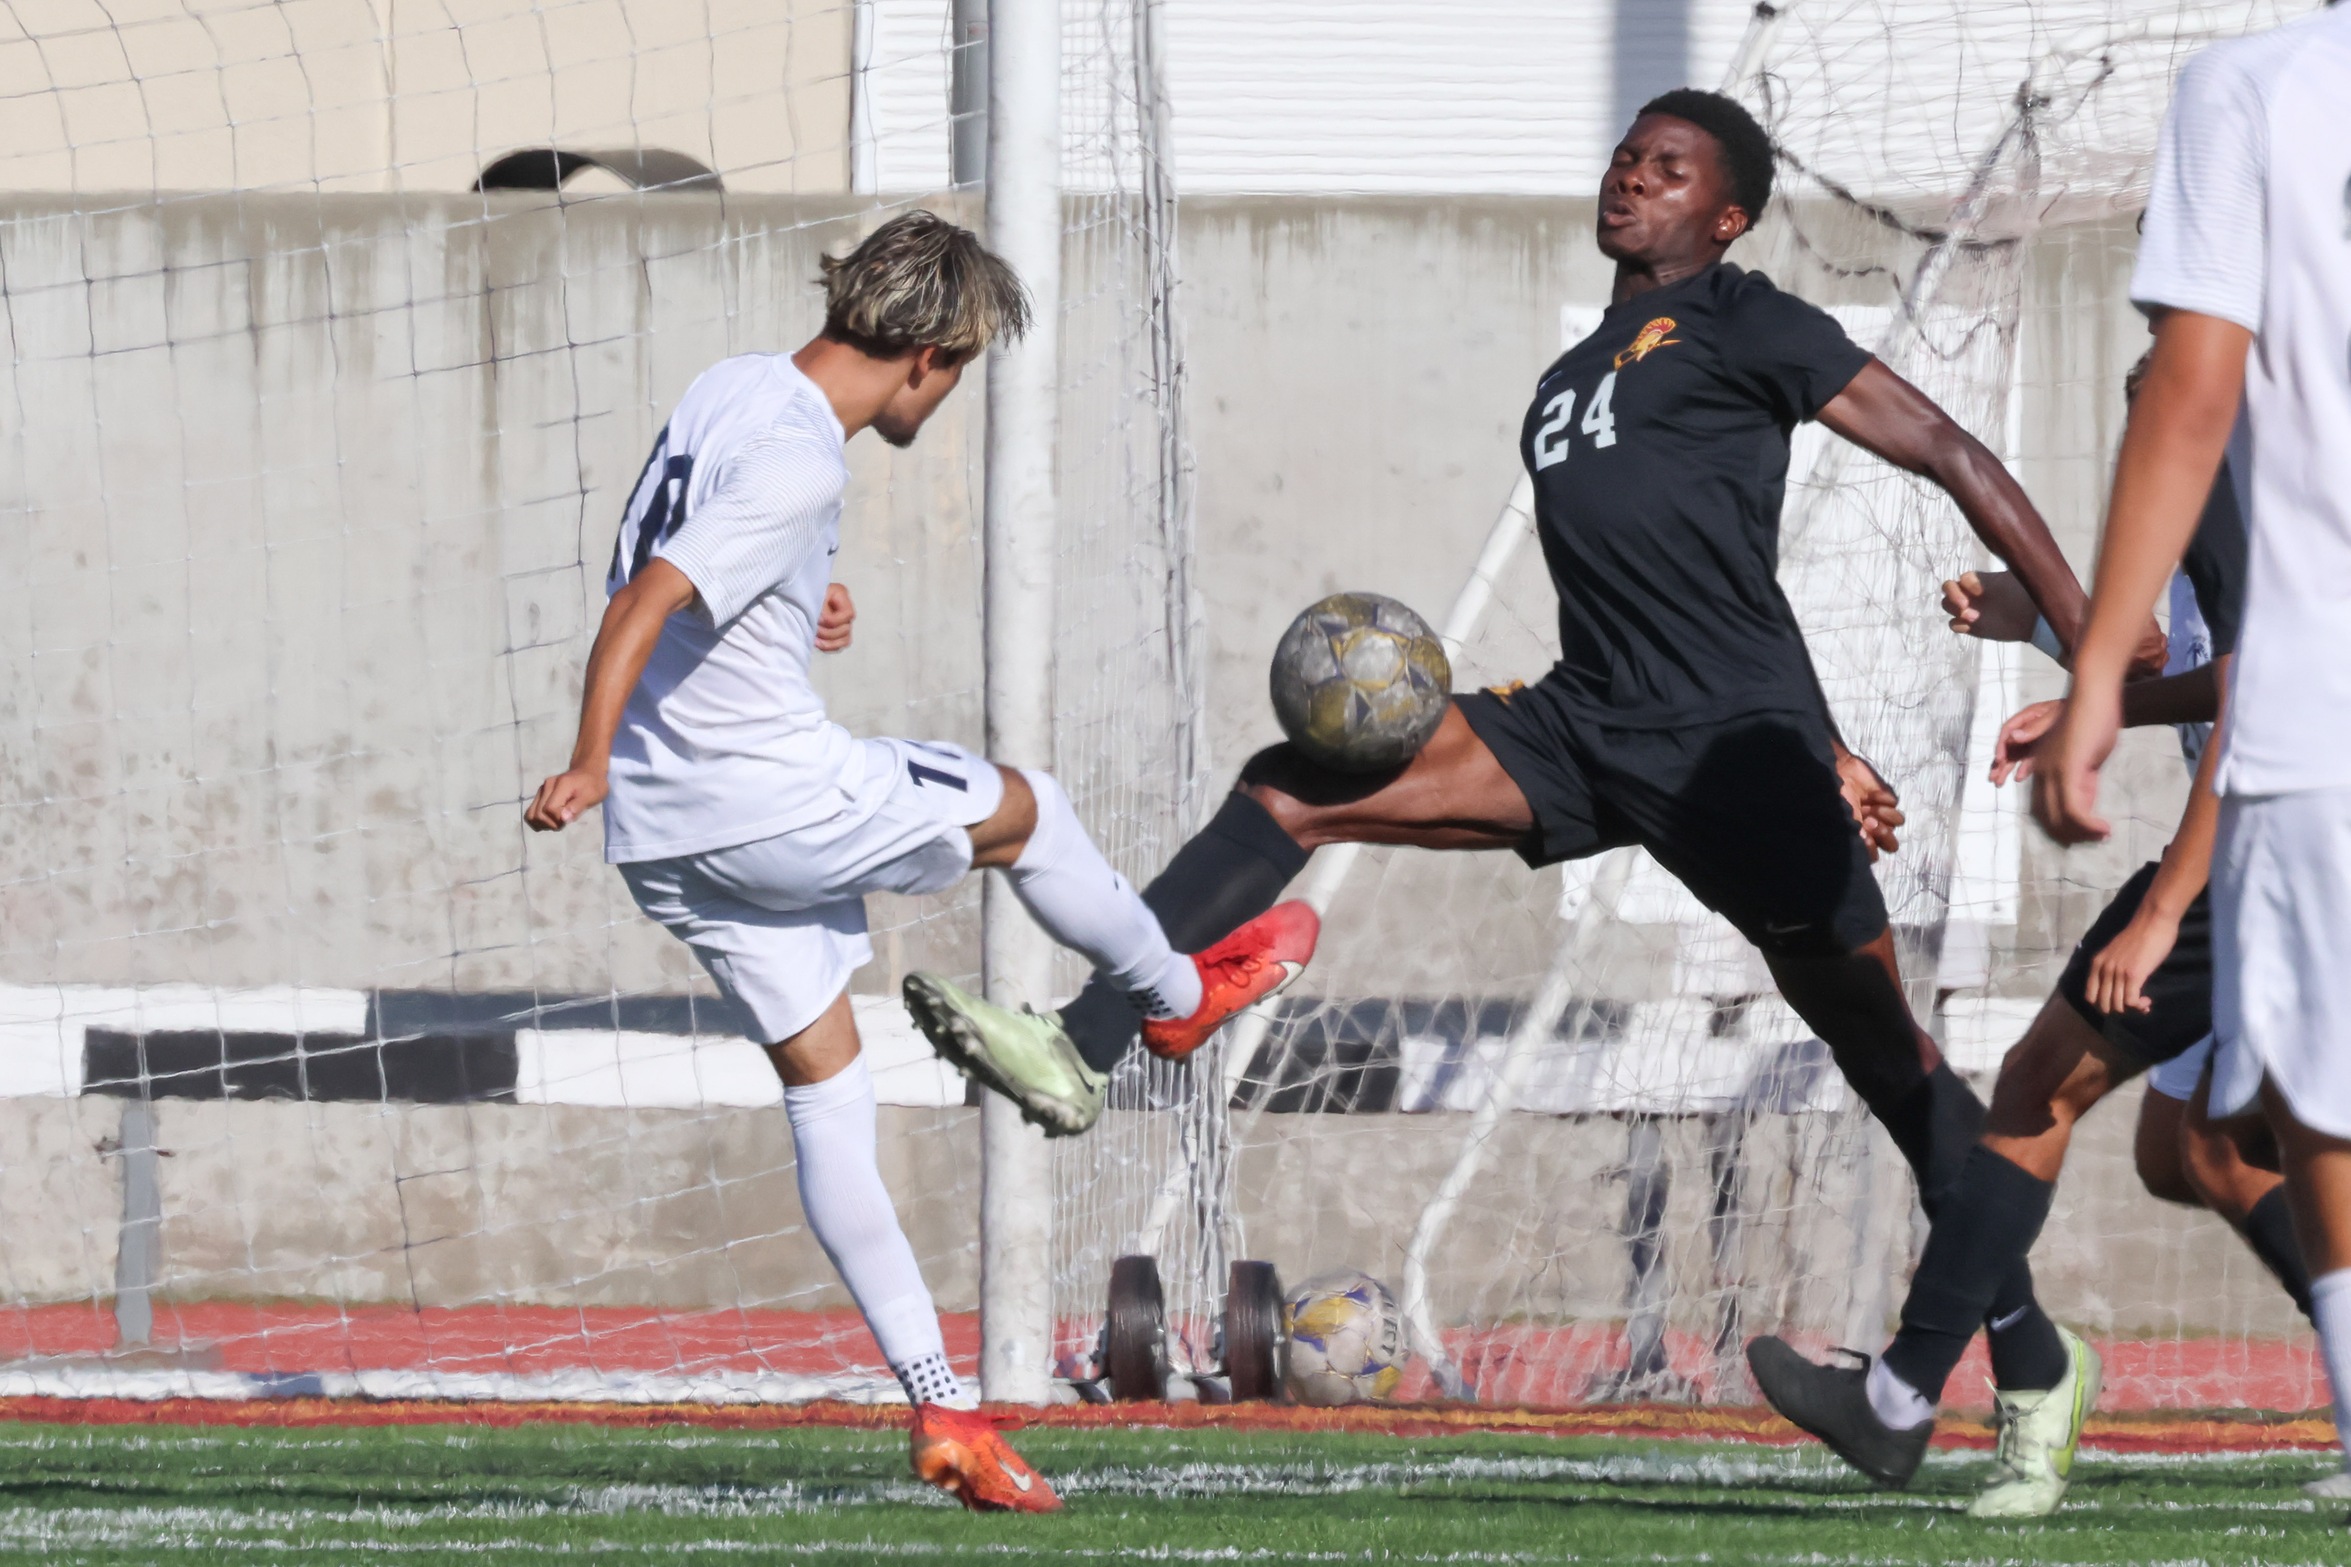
{"points": [[725, 741], [2250, 221]]}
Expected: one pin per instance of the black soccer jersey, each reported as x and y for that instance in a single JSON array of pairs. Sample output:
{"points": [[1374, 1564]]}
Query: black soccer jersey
{"points": [[2215, 566], [1659, 449]]}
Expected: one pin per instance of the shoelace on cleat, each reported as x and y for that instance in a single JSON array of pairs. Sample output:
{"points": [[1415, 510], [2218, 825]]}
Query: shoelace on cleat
{"points": [[2007, 1439], [1237, 967]]}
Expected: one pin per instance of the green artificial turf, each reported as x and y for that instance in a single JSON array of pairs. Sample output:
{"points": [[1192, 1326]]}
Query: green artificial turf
{"points": [[569, 1493]]}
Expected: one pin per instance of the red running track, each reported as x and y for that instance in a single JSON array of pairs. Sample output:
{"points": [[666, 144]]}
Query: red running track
{"points": [[1514, 1365]]}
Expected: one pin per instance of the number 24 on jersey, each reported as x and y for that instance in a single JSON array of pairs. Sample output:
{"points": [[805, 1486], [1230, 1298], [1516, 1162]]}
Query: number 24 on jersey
{"points": [[1599, 422]]}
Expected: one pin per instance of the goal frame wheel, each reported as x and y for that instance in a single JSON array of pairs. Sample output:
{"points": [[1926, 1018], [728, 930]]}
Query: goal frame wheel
{"points": [[1135, 1333], [1253, 1336]]}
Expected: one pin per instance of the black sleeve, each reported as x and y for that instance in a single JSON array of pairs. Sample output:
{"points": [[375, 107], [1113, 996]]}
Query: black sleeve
{"points": [[1791, 355], [2215, 564]]}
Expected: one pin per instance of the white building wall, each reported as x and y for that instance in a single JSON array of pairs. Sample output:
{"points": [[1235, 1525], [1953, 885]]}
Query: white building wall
{"points": [[1897, 99]]}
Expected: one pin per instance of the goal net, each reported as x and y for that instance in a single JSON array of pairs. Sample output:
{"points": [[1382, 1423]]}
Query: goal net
{"points": [[338, 334]]}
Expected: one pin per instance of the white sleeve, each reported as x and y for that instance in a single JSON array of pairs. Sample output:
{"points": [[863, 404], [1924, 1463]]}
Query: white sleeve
{"points": [[2205, 244], [757, 525]]}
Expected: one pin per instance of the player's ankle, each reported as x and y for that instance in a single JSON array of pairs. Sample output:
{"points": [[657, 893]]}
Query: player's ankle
{"points": [[1901, 1406], [928, 1379]]}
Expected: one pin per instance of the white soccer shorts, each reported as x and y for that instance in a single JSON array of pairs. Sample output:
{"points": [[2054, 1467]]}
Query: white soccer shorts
{"points": [[2176, 1078], [2281, 938], [780, 922]]}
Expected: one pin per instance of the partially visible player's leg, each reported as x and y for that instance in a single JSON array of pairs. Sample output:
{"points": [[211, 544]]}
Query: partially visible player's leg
{"points": [[2318, 1175], [829, 1100], [2071, 1057], [786, 972], [2231, 1167], [2159, 1150], [1879, 1419], [1061, 878], [1750, 815], [1993, 1212], [2281, 894], [1032, 833]]}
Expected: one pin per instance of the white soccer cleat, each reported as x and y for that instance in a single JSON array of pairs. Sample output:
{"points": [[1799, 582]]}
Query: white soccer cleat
{"points": [[2038, 1434], [1025, 1056], [2330, 1488]]}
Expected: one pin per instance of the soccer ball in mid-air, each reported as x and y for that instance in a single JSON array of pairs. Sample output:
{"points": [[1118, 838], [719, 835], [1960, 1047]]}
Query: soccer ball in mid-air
{"points": [[1360, 682], [1346, 1340]]}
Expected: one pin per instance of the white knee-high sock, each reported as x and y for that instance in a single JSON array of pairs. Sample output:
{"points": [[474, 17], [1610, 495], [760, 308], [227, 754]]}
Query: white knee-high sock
{"points": [[1064, 881], [850, 1213], [2330, 1309]]}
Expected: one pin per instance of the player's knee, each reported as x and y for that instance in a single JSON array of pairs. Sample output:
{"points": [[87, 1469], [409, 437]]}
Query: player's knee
{"points": [[2157, 1154], [1279, 779], [1052, 818], [999, 841], [2216, 1171]]}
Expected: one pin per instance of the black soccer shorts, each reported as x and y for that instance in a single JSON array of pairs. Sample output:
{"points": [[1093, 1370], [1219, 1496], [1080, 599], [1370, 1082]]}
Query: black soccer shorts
{"points": [[2180, 987], [1747, 812]]}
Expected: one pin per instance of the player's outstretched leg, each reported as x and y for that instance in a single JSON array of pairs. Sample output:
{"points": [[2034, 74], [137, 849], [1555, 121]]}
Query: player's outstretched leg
{"points": [[1063, 880], [1881, 1415], [1028, 1057]]}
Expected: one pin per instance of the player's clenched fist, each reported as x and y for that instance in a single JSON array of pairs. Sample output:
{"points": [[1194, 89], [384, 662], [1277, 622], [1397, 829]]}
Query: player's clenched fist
{"points": [[1992, 605], [835, 620], [561, 799]]}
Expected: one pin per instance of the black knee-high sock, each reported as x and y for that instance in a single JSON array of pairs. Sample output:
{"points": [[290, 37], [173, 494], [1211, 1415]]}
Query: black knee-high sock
{"points": [[2269, 1230], [1231, 871], [1990, 1218], [1936, 1125]]}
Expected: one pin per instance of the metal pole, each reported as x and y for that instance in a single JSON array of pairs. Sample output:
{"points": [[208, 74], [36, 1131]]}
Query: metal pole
{"points": [[864, 155], [967, 94], [138, 1253], [1018, 533]]}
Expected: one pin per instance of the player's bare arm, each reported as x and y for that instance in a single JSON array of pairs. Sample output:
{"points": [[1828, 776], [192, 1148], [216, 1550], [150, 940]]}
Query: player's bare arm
{"points": [[2118, 974], [2171, 450], [1884, 414], [633, 619]]}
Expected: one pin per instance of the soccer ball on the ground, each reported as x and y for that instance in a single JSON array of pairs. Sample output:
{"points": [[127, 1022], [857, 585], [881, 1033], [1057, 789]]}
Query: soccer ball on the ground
{"points": [[1360, 682], [1346, 1340]]}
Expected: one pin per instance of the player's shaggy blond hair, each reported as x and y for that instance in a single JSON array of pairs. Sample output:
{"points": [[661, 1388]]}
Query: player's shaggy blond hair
{"points": [[919, 281]]}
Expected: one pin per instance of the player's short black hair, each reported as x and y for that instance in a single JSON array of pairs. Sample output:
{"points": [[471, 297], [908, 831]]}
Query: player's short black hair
{"points": [[1746, 150]]}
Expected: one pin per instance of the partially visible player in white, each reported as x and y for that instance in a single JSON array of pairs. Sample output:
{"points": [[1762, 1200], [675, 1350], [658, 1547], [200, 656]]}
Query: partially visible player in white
{"points": [[752, 826], [2246, 269]]}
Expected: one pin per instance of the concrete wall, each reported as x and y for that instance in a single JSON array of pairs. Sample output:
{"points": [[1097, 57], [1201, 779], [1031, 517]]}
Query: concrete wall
{"points": [[311, 499], [416, 95]]}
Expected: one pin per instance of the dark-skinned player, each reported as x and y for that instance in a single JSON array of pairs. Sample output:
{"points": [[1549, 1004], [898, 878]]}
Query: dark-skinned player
{"points": [[1683, 714]]}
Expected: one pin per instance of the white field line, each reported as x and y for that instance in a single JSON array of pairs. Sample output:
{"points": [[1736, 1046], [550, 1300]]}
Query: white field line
{"points": [[70, 1380]]}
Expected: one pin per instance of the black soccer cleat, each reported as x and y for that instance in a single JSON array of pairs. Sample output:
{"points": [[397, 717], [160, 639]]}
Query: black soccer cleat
{"points": [[1832, 1403]]}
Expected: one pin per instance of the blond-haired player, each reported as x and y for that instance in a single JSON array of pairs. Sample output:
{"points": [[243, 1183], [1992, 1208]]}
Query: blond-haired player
{"points": [[752, 826]]}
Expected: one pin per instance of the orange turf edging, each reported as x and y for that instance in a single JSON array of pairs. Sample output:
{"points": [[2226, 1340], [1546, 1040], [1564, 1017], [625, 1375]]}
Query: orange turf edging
{"points": [[2185, 1432]]}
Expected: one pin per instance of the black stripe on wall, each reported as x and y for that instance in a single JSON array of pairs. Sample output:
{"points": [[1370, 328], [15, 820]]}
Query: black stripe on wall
{"points": [[444, 1068]]}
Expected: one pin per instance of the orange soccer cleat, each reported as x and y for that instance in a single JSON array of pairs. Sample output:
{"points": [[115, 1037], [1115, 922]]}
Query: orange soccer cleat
{"points": [[960, 1452], [1243, 969]]}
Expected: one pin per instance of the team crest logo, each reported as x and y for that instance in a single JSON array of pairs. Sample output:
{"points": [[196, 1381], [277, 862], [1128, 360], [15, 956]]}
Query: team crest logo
{"points": [[1652, 337]]}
